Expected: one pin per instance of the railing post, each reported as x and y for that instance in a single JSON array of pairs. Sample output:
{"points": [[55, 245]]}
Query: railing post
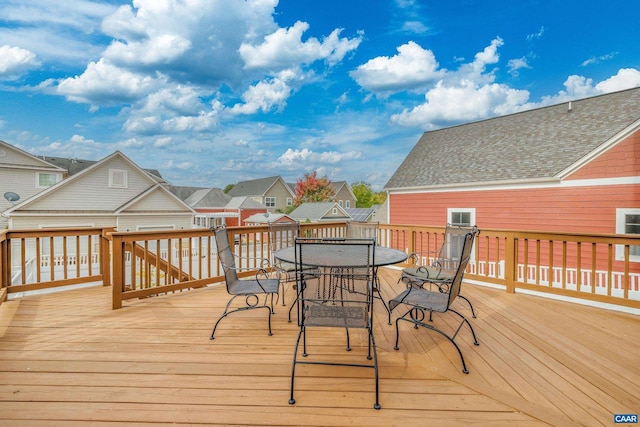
{"points": [[5, 268], [510, 262], [105, 257], [118, 272]]}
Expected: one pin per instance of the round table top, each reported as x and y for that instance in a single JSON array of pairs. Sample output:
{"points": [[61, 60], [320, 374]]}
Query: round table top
{"points": [[339, 256]]}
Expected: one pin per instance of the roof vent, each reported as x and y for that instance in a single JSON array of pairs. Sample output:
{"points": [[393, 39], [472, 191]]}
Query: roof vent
{"points": [[569, 108]]}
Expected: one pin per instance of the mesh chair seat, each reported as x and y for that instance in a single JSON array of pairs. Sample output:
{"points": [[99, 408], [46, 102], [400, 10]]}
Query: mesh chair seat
{"points": [[336, 316], [432, 301], [427, 273], [251, 287]]}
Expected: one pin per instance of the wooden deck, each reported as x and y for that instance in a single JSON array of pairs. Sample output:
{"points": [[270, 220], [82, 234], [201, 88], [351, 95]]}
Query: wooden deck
{"points": [[67, 359]]}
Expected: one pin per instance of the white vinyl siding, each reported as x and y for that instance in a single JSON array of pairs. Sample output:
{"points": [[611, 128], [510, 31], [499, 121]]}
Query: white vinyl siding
{"points": [[92, 191]]}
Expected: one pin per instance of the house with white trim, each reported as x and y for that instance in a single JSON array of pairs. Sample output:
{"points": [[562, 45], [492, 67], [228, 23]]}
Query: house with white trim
{"points": [[113, 192], [23, 175], [573, 167]]}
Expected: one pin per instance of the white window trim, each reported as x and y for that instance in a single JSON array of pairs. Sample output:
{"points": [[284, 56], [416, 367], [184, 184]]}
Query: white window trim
{"points": [[289, 201], [122, 173], [348, 204], [620, 229], [268, 199], [472, 220], [472, 211], [38, 174]]}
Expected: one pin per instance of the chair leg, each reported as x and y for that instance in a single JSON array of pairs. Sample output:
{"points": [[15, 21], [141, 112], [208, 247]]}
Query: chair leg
{"points": [[250, 306], [293, 368], [372, 344], [473, 313], [417, 322]]}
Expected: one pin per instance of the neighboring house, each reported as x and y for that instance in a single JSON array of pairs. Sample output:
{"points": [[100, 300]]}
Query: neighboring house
{"points": [[271, 192], [23, 175], [113, 192], [213, 207], [268, 218], [320, 212], [572, 167], [363, 214], [344, 196]]}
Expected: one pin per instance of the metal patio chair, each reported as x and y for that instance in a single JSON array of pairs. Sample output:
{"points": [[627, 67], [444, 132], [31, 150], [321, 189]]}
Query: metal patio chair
{"points": [[338, 294], [368, 230], [421, 300], [250, 289], [444, 264], [282, 235]]}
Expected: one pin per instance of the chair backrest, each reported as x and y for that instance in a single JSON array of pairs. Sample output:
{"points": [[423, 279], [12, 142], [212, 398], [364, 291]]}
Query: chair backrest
{"points": [[362, 230], [466, 242], [283, 235], [339, 293], [448, 256], [225, 254]]}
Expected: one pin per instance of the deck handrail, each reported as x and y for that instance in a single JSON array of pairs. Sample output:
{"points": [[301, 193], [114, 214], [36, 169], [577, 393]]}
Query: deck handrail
{"points": [[586, 266]]}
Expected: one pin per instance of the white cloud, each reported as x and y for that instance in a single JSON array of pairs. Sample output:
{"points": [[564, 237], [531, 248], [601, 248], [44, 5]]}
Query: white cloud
{"points": [[14, 61], [597, 59], [626, 78], [464, 102], [103, 83], [159, 50], [514, 65], [413, 67], [59, 31], [284, 48], [312, 159], [266, 94], [476, 70], [537, 35]]}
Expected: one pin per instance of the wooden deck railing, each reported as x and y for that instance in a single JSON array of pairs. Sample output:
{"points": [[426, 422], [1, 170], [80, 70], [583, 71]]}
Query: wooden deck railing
{"points": [[592, 267]]}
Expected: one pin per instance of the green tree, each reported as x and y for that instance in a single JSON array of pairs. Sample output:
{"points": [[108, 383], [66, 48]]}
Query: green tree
{"points": [[228, 188], [310, 188], [379, 198], [363, 193]]}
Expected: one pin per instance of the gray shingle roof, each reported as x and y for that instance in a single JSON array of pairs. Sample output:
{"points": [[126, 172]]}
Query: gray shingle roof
{"points": [[534, 144], [316, 211], [254, 187], [73, 166]]}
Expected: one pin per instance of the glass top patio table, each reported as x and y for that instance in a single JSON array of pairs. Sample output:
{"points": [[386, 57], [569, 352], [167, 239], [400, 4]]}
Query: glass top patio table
{"points": [[338, 256]]}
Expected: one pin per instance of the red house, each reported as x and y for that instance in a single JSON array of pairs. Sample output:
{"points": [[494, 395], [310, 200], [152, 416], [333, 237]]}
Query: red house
{"points": [[571, 167]]}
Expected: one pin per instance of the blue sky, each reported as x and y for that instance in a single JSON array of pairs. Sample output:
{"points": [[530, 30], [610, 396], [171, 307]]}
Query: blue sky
{"points": [[211, 92]]}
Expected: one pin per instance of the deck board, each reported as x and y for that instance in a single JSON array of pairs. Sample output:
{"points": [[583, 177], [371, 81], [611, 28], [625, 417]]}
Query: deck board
{"points": [[67, 359]]}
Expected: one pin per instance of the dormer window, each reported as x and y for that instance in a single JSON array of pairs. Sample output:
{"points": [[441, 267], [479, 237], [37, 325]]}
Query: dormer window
{"points": [[118, 178]]}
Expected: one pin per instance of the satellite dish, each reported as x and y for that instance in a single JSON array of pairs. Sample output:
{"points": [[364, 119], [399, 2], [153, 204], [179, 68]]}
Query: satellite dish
{"points": [[11, 196]]}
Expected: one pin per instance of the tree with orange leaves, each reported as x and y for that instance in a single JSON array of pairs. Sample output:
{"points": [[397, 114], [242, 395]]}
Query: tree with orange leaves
{"points": [[310, 188]]}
